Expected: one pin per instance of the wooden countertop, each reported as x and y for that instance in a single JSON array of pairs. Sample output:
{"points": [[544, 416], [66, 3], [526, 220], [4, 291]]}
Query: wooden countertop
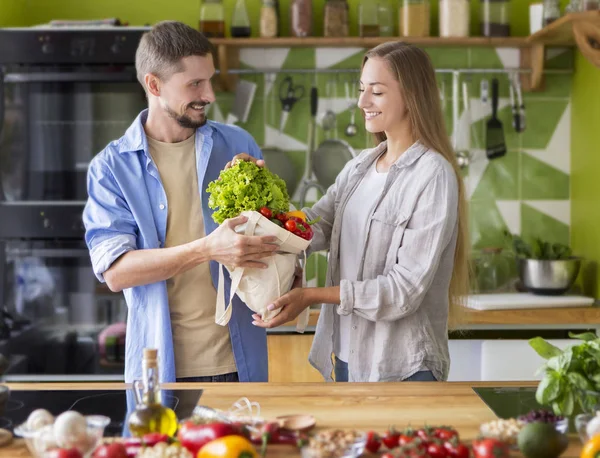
{"points": [[361, 406], [550, 316]]}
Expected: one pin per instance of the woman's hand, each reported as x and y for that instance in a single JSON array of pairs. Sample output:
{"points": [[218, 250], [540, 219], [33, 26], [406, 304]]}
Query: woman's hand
{"points": [[291, 305]]}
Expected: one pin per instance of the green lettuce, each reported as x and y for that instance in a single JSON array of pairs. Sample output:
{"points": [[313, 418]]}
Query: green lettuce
{"points": [[246, 186]]}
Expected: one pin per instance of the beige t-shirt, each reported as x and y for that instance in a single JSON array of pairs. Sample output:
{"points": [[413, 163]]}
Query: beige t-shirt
{"points": [[202, 347]]}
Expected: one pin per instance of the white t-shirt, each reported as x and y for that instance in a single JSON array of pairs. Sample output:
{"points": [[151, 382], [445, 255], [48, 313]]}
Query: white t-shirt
{"points": [[353, 233]]}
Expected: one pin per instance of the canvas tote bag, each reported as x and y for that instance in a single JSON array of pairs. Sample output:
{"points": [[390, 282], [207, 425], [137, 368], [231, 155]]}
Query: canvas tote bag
{"points": [[258, 288]]}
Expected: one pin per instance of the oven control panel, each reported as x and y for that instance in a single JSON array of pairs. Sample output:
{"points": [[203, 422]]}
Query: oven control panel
{"points": [[102, 45]]}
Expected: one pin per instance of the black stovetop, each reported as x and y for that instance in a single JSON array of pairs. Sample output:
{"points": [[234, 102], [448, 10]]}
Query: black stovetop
{"points": [[115, 404]]}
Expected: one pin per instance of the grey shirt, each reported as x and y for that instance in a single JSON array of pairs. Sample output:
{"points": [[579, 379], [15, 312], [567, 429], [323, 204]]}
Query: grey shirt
{"points": [[399, 303]]}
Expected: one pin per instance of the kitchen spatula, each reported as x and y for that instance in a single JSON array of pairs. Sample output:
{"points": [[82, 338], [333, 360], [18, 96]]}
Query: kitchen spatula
{"points": [[495, 146]]}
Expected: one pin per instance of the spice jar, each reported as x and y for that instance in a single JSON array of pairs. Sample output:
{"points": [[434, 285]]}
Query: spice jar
{"points": [[301, 18], [368, 18], [335, 18], [494, 18], [454, 18], [551, 11], [591, 5], [212, 19], [415, 16], [269, 20]]}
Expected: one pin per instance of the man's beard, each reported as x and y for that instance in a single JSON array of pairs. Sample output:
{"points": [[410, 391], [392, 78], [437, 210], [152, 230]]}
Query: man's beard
{"points": [[184, 120]]}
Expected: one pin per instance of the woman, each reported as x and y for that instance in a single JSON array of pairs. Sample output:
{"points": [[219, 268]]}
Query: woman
{"points": [[396, 227]]}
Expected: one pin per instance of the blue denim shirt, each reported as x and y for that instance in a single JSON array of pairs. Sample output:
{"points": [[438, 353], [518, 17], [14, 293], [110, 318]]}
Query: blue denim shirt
{"points": [[127, 210]]}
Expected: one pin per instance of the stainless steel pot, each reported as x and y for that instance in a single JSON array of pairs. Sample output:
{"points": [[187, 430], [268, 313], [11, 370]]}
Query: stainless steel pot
{"points": [[548, 277]]}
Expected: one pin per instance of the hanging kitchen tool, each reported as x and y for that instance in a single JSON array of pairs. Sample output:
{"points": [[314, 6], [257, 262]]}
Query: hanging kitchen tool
{"points": [[516, 118], [307, 181], [522, 122], [289, 94], [328, 120], [495, 146], [276, 159], [484, 90], [463, 151], [243, 99], [329, 159], [351, 128]]}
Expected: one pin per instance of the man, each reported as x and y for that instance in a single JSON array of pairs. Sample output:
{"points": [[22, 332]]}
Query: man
{"points": [[149, 229]]}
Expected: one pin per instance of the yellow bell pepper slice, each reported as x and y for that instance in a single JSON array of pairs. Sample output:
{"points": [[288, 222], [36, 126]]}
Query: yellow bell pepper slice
{"points": [[228, 447]]}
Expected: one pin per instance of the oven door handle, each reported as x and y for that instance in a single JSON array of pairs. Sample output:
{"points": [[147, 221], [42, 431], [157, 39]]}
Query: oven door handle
{"points": [[68, 77], [1, 101]]}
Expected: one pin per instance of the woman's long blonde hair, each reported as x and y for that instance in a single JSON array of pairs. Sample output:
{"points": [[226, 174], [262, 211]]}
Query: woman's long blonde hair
{"points": [[414, 71]]}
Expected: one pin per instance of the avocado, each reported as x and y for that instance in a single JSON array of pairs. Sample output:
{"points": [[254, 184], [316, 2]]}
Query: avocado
{"points": [[541, 440]]}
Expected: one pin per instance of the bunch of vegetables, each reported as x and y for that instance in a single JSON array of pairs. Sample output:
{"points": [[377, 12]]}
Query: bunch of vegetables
{"points": [[432, 442], [246, 187], [571, 376]]}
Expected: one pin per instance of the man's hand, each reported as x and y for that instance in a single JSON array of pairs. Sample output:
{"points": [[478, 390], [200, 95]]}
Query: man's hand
{"points": [[291, 305], [244, 157], [234, 250]]}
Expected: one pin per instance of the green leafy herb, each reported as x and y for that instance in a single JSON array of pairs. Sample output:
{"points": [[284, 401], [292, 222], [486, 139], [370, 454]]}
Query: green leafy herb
{"points": [[539, 249], [571, 376], [246, 186]]}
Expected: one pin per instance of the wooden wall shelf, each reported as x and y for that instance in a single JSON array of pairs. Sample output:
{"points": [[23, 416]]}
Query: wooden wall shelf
{"points": [[581, 29]]}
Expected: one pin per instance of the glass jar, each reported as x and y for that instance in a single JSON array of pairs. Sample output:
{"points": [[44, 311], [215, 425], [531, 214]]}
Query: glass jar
{"points": [[368, 18], [240, 23], [335, 22], [386, 19], [301, 18], [415, 18], [212, 19], [591, 5], [495, 18], [551, 11], [454, 18], [493, 271], [269, 20]]}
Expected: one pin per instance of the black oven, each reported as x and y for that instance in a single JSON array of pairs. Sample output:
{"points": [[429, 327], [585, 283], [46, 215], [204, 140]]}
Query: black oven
{"points": [[65, 93]]}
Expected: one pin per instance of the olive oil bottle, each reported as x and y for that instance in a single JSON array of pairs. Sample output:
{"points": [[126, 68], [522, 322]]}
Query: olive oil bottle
{"points": [[150, 416]]}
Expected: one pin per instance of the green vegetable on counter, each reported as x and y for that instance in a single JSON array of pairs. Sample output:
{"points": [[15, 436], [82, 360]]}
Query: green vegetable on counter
{"points": [[246, 187], [571, 376], [539, 249]]}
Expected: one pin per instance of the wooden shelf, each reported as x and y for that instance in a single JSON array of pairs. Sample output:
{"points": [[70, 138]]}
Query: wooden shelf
{"points": [[581, 29], [368, 42]]}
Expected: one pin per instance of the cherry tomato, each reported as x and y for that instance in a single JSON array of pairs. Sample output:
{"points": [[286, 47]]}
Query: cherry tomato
{"points": [[290, 225], [266, 212], [436, 450], [391, 438], [373, 443]]}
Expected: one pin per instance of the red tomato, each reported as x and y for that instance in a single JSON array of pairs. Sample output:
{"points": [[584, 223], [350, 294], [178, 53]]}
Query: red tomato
{"points": [[457, 450], [405, 439], [281, 217], [445, 434], [290, 225], [373, 443], [64, 453], [436, 450], [490, 448], [266, 212], [114, 450], [391, 438], [387, 455]]}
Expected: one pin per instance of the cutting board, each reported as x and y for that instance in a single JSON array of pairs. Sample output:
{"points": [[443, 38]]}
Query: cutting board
{"points": [[525, 301]]}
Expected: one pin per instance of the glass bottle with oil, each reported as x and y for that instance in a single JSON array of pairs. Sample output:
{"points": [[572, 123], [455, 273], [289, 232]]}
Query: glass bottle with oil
{"points": [[150, 416]]}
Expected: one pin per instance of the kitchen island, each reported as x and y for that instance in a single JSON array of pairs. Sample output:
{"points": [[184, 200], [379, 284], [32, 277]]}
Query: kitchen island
{"points": [[360, 406]]}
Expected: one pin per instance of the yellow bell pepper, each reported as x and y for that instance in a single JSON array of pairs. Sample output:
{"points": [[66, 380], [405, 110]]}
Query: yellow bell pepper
{"points": [[591, 449], [297, 213], [228, 447]]}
